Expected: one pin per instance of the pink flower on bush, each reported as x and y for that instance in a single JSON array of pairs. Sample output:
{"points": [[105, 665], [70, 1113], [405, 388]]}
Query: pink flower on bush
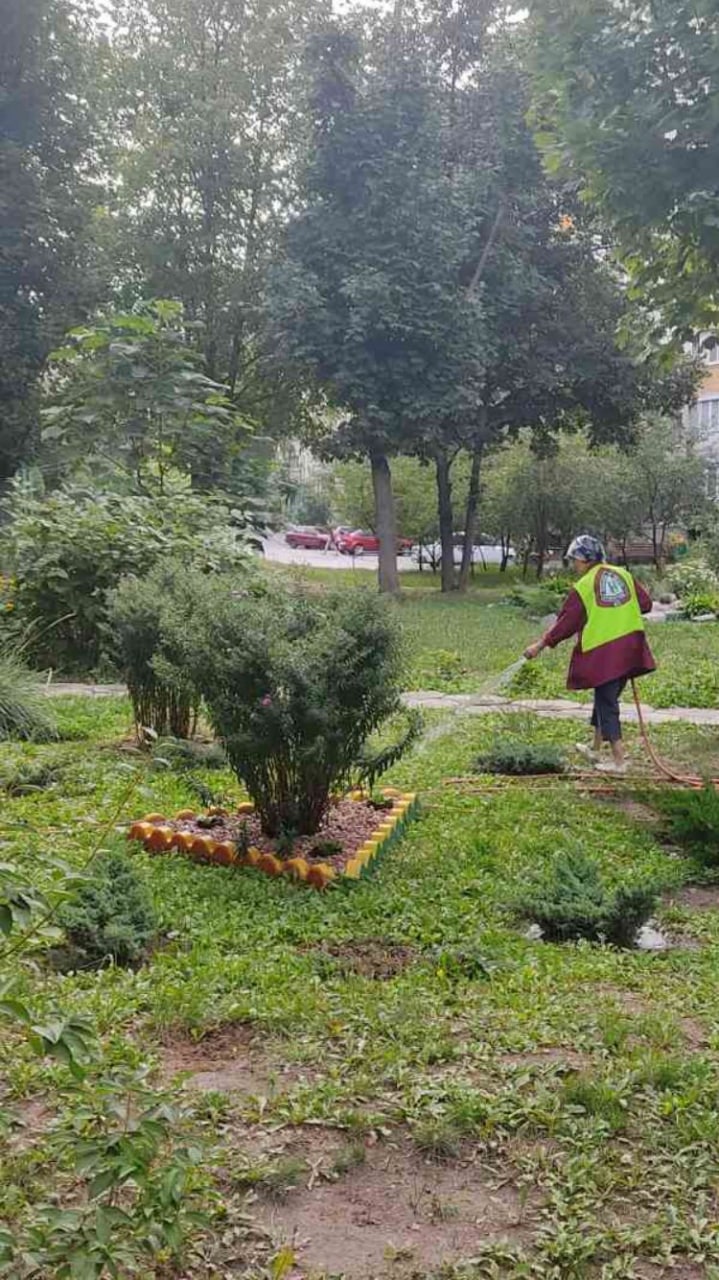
{"points": [[266, 701]]}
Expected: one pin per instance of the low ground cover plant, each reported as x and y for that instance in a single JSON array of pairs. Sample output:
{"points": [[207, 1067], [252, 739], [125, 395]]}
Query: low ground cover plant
{"points": [[514, 756]]}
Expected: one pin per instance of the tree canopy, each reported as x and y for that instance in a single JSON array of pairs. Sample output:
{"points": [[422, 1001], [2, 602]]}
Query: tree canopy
{"points": [[627, 105]]}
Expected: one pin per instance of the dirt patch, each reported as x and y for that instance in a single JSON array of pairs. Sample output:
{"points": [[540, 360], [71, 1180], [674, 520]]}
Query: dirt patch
{"points": [[628, 1001], [346, 826], [693, 1032], [33, 1117], [631, 808], [395, 1213], [227, 1060], [368, 957], [695, 897]]}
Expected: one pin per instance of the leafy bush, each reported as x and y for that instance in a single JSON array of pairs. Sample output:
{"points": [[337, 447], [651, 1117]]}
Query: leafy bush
{"points": [[167, 703], [24, 709], [68, 550], [698, 603], [559, 585], [515, 756], [693, 821], [28, 777], [573, 902], [294, 685], [440, 669], [111, 916], [693, 578]]}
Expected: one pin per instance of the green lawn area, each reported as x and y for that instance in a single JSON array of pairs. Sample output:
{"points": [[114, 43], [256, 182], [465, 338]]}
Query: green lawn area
{"points": [[458, 643], [463, 1093]]}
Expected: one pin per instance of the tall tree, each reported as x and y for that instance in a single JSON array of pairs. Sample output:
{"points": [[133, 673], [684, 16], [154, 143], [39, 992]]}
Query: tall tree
{"points": [[373, 298], [627, 104], [207, 97], [47, 160]]}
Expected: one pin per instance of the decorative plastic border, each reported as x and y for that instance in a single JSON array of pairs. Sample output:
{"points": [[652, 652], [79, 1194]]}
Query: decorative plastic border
{"points": [[156, 837]]}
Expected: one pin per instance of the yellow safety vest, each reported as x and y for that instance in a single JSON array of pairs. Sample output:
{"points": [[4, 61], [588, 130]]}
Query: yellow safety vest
{"points": [[610, 602]]}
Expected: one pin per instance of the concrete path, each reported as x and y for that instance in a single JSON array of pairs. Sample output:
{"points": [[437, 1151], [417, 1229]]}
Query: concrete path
{"points": [[467, 703], [555, 708]]}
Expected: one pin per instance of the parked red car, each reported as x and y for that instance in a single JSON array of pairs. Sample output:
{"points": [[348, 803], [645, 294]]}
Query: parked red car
{"points": [[359, 542], [307, 537]]}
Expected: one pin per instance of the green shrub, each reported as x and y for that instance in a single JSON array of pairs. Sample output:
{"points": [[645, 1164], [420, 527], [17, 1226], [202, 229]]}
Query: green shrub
{"points": [[28, 777], [294, 685], [693, 821], [68, 550], [700, 602], [693, 578], [165, 701], [24, 711], [514, 756], [573, 902], [111, 917], [439, 669]]}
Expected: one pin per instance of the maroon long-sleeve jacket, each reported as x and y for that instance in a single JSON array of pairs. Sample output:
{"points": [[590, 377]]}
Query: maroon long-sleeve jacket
{"points": [[620, 659]]}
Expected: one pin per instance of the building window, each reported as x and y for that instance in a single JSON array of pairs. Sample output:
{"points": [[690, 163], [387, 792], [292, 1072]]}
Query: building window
{"points": [[706, 347], [704, 416]]}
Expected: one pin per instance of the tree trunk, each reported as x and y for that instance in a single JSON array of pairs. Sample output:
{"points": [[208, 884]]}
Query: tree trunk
{"points": [[655, 546], [385, 524], [470, 521], [525, 559], [446, 520]]}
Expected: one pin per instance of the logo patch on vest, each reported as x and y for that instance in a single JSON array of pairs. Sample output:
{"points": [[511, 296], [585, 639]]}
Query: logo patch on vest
{"points": [[611, 589]]}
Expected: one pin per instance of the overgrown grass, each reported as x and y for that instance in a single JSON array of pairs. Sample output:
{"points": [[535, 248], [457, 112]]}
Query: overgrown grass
{"points": [[621, 1151]]}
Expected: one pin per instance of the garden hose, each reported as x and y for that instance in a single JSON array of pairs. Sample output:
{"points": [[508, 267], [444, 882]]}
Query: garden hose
{"points": [[685, 780]]}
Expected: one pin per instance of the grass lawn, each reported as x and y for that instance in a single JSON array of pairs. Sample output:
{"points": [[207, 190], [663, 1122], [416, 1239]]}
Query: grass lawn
{"points": [[390, 1077]]}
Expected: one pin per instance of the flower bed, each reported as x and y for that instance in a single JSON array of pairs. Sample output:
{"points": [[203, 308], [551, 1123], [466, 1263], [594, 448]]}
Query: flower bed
{"points": [[352, 822]]}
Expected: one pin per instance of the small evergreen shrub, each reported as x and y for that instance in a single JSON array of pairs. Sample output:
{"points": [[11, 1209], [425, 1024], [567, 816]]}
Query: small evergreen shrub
{"points": [[294, 685], [514, 756], [24, 710], [693, 821], [573, 902], [110, 917]]}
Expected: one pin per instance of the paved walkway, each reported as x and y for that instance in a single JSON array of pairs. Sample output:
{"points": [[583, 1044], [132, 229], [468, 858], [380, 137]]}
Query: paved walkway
{"points": [[467, 703], [555, 708]]}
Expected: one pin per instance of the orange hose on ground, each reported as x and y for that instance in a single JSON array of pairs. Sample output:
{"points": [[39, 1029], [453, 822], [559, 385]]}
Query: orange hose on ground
{"points": [[685, 780]]}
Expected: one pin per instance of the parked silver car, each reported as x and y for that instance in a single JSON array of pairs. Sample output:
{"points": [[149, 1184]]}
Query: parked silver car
{"points": [[484, 553]]}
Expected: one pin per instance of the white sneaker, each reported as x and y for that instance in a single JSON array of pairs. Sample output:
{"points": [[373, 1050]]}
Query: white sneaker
{"points": [[610, 766], [587, 753]]}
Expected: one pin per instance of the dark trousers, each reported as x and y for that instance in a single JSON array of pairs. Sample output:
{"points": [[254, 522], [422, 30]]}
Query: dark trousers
{"points": [[605, 715]]}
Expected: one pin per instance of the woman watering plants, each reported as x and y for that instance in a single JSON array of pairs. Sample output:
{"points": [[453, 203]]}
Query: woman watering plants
{"points": [[605, 611]]}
